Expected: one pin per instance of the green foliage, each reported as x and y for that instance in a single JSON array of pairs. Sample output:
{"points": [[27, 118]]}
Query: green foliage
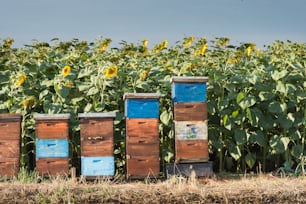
{"points": [[256, 99]]}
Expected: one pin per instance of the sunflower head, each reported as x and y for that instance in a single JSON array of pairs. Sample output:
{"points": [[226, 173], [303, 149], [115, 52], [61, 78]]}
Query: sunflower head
{"points": [[145, 43], [189, 41], [29, 102], [21, 80], [111, 71], [66, 70]]}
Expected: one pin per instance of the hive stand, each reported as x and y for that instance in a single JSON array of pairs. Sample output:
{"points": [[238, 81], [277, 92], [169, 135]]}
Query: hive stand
{"points": [[190, 124], [142, 135], [52, 144], [10, 129], [97, 145]]}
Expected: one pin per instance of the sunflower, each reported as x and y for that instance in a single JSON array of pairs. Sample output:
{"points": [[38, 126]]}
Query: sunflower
{"points": [[21, 80], [105, 45], [29, 102], [111, 71], [66, 70], [145, 43], [189, 41], [202, 51]]}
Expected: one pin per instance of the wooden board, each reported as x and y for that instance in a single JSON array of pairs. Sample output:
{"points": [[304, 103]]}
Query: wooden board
{"points": [[9, 148], [188, 92], [190, 111], [142, 149], [97, 137], [142, 108], [10, 130], [52, 148], [9, 167], [98, 166], [142, 127], [191, 150], [52, 166], [52, 129], [191, 130], [142, 166]]}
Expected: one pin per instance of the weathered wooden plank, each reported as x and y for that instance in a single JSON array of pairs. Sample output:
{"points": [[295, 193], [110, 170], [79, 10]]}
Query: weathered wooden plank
{"points": [[10, 130], [191, 130], [52, 166], [141, 96], [191, 150], [52, 148], [52, 129], [56, 117], [96, 147], [142, 149], [142, 108], [142, 127], [190, 111], [97, 115], [186, 79], [9, 167], [97, 166], [9, 148], [142, 166], [189, 92]]}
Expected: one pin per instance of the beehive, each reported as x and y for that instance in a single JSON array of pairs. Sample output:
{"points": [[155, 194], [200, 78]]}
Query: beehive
{"points": [[10, 134], [142, 134], [97, 144], [190, 118], [52, 144]]}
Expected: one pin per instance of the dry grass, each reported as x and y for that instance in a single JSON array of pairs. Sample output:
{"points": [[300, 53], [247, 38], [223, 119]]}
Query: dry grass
{"points": [[259, 189]]}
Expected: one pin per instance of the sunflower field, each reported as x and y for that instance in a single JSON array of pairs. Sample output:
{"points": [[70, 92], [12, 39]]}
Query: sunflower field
{"points": [[256, 98]]}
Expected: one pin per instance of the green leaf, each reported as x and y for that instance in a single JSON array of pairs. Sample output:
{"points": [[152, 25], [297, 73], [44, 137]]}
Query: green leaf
{"points": [[247, 102], [235, 113], [280, 87], [265, 96], [277, 107], [276, 75], [240, 136], [279, 144], [234, 151], [240, 96], [87, 108], [165, 117], [257, 137], [297, 151], [250, 159], [43, 94], [92, 91]]}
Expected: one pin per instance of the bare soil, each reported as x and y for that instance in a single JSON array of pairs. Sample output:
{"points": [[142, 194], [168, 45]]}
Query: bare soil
{"points": [[257, 189]]}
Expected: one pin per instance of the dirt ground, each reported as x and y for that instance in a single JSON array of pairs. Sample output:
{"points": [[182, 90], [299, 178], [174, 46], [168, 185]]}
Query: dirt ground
{"points": [[257, 189]]}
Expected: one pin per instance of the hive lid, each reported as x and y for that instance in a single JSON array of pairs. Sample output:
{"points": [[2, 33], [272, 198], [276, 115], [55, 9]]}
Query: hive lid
{"points": [[142, 95], [97, 115], [61, 116], [10, 116], [190, 79]]}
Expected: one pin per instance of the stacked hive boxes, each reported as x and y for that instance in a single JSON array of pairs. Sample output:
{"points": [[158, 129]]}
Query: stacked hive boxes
{"points": [[142, 134], [97, 144], [9, 144], [52, 147], [190, 119]]}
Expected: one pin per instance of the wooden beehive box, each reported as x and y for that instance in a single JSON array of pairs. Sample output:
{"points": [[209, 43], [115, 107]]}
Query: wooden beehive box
{"points": [[142, 135], [190, 118], [10, 134], [52, 144], [97, 144]]}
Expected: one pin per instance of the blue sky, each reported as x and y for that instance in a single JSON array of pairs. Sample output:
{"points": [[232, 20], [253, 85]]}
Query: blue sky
{"points": [[257, 21]]}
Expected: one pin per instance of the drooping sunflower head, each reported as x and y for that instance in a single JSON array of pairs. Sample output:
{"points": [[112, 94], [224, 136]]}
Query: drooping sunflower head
{"points": [[66, 70], [189, 41], [111, 71], [21, 79], [29, 102]]}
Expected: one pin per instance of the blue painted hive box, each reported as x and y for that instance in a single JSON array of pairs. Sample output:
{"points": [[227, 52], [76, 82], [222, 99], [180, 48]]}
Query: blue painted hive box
{"points": [[141, 105], [189, 89]]}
